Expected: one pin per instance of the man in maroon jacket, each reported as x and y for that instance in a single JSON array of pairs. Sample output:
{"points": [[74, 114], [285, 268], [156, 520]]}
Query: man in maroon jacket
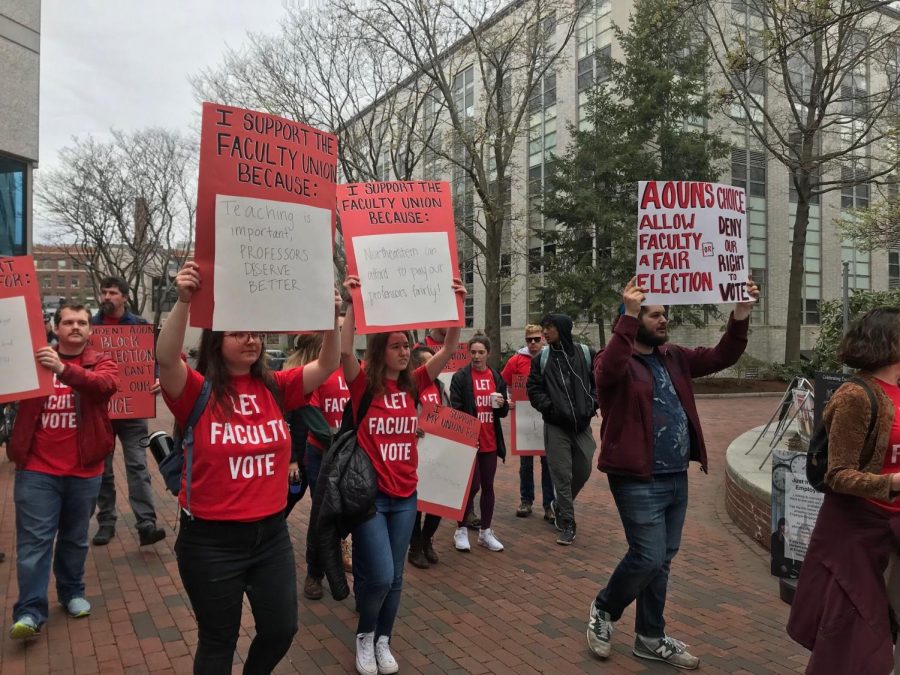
{"points": [[649, 434], [58, 445]]}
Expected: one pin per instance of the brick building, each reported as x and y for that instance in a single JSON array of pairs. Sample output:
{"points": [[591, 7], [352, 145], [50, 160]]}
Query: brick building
{"points": [[61, 277]]}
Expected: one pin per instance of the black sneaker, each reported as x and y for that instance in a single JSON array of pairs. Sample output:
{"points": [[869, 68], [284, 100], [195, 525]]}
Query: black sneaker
{"points": [[567, 536], [149, 535], [104, 535]]}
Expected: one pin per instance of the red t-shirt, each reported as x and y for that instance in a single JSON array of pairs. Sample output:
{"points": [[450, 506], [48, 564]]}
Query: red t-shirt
{"points": [[431, 394], [109, 320], [388, 432], [54, 449], [482, 386], [518, 364], [330, 398], [892, 456], [240, 461]]}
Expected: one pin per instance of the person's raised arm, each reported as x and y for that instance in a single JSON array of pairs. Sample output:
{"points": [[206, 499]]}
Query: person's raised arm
{"points": [[612, 364], [316, 372], [172, 370], [349, 362], [451, 340]]}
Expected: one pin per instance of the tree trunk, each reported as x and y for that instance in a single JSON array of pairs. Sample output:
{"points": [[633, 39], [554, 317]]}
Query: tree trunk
{"points": [[601, 326], [492, 286], [798, 270]]}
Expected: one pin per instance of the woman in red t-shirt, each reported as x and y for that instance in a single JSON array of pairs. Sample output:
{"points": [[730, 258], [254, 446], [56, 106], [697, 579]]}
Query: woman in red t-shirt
{"points": [[480, 391], [387, 433], [233, 539]]}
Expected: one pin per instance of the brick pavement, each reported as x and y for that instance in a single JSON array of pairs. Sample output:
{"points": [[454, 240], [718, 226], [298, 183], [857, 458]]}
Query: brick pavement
{"points": [[520, 611]]}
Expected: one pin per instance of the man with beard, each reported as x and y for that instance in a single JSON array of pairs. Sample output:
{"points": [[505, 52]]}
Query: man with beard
{"points": [[649, 434], [130, 432]]}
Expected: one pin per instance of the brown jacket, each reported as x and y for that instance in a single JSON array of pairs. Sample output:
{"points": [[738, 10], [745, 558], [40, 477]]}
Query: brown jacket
{"points": [[852, 468]]}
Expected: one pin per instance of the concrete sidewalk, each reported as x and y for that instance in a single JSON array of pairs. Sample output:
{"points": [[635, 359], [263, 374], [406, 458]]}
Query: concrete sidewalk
{"points": [[520, 611]]}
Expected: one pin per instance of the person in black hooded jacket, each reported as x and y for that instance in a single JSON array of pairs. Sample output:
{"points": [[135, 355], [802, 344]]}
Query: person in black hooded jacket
{"points": [[561, 388]]}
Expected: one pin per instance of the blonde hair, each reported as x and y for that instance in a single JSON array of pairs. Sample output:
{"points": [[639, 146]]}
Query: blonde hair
{"points": [[533, 328], [306, 349]]}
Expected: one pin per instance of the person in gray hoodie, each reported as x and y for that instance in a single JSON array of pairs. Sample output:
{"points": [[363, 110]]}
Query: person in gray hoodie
{"points": [[561, 388]]}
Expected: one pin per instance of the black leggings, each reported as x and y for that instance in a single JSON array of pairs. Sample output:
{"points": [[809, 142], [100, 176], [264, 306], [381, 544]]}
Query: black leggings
{"points": [[219, 561], [430, 526]]}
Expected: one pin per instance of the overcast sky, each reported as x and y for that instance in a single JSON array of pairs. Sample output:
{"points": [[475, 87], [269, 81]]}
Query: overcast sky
{"points": [[126, 63]]}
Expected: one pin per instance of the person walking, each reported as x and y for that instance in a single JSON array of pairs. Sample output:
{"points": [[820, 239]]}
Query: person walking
{"points": [[130, 432], [519, 364], [479, 390], [649, 434], [233, 538], [58, 445], [842, 608], [421, 544], [387, 434], [561, 389]]}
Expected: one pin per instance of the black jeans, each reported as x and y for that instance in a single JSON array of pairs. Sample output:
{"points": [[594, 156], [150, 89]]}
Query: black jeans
{"points": [[219, 561]]}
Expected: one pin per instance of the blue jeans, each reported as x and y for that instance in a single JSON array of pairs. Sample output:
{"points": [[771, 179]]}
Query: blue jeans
{"points": [[526, 480], [47, 508], [379, 551], [652, 513]]}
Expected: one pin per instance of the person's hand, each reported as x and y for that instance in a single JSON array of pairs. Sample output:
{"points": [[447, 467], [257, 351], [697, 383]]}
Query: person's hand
{"points": [[895, 482], [155, 388], [294, 472], [420, 433], [633, 297], [459, 288], [351, 282], [512, 404], [49, 358], [187, 281], [742, 309]]}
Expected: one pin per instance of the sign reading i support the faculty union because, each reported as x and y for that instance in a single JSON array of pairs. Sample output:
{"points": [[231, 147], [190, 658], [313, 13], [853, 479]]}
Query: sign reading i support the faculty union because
{"points": [[526, 424], [132, 348], [446, 460], [265, 223], [21, 332], [402, 245], [692, 243]]}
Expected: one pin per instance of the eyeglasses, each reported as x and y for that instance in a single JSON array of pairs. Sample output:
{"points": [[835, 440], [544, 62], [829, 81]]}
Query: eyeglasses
{"points": [[533, 339], [245, 336]]}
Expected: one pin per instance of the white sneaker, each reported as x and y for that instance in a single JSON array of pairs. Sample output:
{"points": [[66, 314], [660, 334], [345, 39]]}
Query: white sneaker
{"points": [[365, 654], [486, 538], [386, 662], [461, 539]]}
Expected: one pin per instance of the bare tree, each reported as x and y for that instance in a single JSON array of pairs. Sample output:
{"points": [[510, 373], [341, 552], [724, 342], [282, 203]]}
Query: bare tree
{"points": [[813, 83], [502, 52], [126, 208]]}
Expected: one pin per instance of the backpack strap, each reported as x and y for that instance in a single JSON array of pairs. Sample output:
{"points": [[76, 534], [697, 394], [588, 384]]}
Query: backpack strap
{"points": [[545, 354], [873, 407], [187, 446]]}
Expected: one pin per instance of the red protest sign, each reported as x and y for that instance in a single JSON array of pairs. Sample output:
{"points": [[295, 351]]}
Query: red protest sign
{"points": [[401, 242], [459, 360], [446, 460], [21, 332], [525, 423], [265, 223], [133, 350]]}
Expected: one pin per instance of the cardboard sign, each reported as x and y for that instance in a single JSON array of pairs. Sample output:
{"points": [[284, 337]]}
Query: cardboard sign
{"points": [[21, 332], [458, 361], [526, 424], [265, 223], [803, 407], [692, 243], [824, 386], [134, 351], [401, 242], [446, 460]]}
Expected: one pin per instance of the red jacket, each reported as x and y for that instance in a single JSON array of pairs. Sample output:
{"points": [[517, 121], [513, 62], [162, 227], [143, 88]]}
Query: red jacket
{"points": [[518, 364], [625, 393], [93, 382]]}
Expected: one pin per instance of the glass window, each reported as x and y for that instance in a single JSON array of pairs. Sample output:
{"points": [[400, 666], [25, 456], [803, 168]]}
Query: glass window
{"points": [[13, 223]]}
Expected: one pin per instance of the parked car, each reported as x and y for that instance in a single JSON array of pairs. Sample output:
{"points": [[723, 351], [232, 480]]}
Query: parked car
{"points": [[275, 358]]}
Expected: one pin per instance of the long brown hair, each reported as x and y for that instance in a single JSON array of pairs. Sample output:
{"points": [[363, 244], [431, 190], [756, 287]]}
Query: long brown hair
{"points": [[212, 366], [376, 367]]}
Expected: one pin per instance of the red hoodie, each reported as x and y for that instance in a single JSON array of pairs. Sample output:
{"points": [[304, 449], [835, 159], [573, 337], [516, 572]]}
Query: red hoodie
{"points": [[518, 364]]}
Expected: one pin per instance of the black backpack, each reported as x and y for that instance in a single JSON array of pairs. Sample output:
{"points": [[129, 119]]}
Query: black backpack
{"points": [[182, 455], [817, 455]]}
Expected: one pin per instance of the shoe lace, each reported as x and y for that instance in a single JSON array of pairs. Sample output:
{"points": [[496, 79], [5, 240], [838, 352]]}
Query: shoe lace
{"points": [[382, 649], [672, 644], [601, 628]]}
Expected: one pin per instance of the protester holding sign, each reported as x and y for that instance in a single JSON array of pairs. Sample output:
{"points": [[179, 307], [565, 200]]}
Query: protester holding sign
{"points": [[130, 432], [480, 391], [58, 445], [233, 537], [649, 434], [387, 433], [857, 532]]}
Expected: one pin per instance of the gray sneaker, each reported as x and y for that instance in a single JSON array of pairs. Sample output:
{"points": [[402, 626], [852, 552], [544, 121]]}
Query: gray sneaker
{"points": [[599, 631], [78, 607], [666, 649]]}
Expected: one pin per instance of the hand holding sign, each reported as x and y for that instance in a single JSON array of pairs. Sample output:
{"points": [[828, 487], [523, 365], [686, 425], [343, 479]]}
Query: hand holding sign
{"points": [[187, 281], [633, 298], [49, 358], [742, 309]]}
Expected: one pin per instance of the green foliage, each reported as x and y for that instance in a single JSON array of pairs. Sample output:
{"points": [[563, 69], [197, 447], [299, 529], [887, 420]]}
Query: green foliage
{"points": [[636, 130], [832, 318]]}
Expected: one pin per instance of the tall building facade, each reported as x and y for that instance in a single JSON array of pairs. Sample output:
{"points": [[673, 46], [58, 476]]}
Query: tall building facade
{"points": [[20, 42]]}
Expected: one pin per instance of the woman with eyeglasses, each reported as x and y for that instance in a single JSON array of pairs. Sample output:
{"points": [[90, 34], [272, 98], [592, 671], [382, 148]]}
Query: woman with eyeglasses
{"points": [[387, 434], [233, 539]]}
